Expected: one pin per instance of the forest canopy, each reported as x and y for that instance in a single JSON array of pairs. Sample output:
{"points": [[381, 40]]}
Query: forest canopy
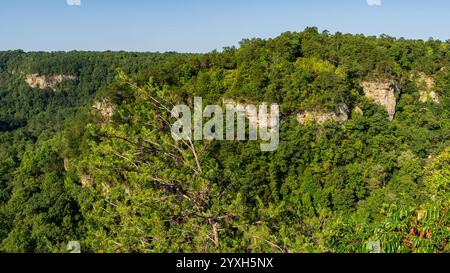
{"points": [[92, 159]]}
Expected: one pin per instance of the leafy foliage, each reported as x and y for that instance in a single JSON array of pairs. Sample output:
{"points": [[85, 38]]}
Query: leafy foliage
{"points": [[124, 185]]}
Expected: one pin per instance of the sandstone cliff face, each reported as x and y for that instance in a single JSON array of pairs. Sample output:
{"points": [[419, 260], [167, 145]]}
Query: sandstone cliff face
{"points": [[86, 180], [320, 117], [340, 116], [66, 164], [254, 119], [426, 86], [105, 108], [45, 82], [384, 93]]}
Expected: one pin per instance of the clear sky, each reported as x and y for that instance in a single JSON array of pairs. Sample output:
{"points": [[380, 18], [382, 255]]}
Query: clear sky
{"points": [[204, 25]]}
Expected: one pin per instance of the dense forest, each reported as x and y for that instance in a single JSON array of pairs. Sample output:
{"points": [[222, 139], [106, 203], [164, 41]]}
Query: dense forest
{"points": [[90, 157]]}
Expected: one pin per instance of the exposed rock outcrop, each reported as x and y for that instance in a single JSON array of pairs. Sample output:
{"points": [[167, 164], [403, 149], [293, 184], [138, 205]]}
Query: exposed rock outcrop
{"points": [[426, 86], [384, 93], [340, 116], [66, 164], [253, 119], [86, 180], [46, 82], [105, 108], [320, 117]]}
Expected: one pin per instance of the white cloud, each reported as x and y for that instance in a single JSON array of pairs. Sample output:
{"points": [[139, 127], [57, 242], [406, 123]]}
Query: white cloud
{"points": [[374, 3], [73, 2]]}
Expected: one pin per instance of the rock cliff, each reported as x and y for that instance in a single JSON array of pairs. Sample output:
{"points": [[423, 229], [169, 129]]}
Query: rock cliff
{"points": [[384, 93], [105, 108], [320, 117], [46, 82], [426, 86], [267, 122]]}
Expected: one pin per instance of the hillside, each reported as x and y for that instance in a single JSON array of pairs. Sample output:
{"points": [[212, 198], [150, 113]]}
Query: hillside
{"points": [[86, 154]]}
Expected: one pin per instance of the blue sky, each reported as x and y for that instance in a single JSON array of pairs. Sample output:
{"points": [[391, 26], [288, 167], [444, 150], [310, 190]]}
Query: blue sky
{"points": [[204, 25]]}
